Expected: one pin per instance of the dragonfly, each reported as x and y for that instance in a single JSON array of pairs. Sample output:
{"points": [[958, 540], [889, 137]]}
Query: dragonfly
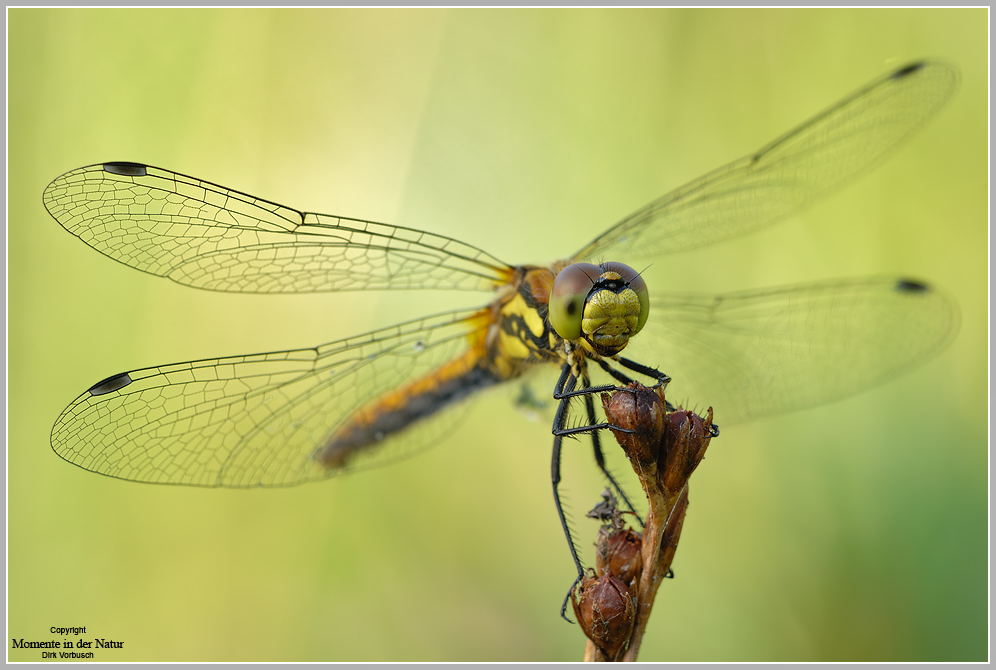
{"points": [[286, 417]]}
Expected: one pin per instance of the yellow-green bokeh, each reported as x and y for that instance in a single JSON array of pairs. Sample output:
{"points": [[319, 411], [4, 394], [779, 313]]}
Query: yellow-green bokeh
{"points": [[857, 531]]}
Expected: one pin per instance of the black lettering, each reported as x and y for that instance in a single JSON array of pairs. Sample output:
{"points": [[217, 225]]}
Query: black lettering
{"points": [[21, 644], [108, 644]]}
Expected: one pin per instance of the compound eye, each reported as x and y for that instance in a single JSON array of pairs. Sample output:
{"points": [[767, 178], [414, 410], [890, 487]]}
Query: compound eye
{"points": [[635, 281], [570, 290]]}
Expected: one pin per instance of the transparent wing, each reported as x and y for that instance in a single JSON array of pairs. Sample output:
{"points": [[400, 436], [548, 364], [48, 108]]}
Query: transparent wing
{"points": [[757, 353], [204, 235], [254, 420], [788, 173]]}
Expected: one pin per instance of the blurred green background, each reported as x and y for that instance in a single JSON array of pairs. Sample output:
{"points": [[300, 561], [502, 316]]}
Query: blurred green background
{"points": [[856, 531]]}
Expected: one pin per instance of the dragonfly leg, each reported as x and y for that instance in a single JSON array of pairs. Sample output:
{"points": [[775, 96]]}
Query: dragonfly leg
{"points": [[555, 477], [564, 386], [567, 598], [618, 376], [564, 391], [600, 459], [654, 373], [587, 391]]}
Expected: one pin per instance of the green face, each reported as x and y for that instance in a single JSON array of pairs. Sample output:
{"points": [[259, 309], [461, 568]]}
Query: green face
{"points": [[605, 305]]}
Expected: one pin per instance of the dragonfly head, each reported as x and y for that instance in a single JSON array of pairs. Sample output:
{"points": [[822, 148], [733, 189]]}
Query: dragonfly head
{"points": [[603, 305]]}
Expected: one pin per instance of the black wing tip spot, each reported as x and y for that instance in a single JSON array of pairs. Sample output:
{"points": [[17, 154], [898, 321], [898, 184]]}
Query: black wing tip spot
{"points": [[911, 286], [110, 384], [909, 69], [126, 169]]}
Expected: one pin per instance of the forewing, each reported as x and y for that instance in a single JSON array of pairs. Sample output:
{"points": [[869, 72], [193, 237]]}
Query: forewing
{"points": [[253, 420], [204, 235], [788, 173], [752, 354]]}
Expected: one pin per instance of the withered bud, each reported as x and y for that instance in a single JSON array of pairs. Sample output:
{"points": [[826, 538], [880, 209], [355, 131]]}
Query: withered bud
{"points": [[686, 438], [606, 613], [619, 552], [607, 511], [641, 410]]}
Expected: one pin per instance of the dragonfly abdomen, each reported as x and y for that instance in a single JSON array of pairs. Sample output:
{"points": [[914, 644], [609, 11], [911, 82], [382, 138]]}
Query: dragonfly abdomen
{"points": [[400, 408], [505, 339]]}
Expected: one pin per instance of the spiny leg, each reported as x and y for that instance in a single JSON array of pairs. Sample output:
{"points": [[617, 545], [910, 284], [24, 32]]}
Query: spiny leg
{"points": [[564, 386], [653, 373], [564, 391], [555, 472], [589, 404], [618, 376]]}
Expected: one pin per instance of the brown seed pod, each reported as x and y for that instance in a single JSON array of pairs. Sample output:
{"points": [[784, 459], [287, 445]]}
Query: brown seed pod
{"points": [[619, 552], [640, 410], [684, 443], [606, 613]]}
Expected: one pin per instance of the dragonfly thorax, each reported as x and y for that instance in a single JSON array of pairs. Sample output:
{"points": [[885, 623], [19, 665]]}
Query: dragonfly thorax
{"points": [[602, 305]]}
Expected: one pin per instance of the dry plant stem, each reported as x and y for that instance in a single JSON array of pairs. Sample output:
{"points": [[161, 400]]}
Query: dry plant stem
{"points": [[663, 448], [660, 540], [592, 654]]}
